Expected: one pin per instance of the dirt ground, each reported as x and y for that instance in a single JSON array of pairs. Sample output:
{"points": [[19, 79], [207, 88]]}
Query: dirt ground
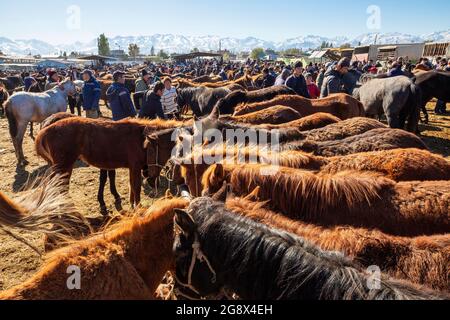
{"points": [[18, 262]]}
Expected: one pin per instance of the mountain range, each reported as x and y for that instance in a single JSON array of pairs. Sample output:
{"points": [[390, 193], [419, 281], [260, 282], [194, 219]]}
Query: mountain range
{"points": [[181, 44]]}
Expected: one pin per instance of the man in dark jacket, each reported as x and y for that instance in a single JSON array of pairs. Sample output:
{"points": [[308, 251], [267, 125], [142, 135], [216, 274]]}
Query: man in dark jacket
{"points": [[119, 98], [91, 95], [152, 107], [297, 82], [269, 80], [333, 81], [396, 70]]}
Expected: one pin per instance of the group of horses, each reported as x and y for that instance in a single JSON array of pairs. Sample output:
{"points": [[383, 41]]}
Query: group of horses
{"points": [[304, 217]]}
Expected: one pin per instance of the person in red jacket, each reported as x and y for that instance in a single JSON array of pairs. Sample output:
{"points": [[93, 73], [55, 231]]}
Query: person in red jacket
{"points": [[313, 89]]}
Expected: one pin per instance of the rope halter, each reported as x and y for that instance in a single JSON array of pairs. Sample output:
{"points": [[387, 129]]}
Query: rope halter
{"points": [[197, 255]]}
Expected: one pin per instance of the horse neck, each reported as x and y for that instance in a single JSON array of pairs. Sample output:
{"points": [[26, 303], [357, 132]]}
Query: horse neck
{"points": [[148, 245], [304, 271]]}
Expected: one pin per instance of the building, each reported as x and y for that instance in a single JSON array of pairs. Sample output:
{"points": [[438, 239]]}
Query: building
{"points": [[411, 52], [434, 50], [119, 54]]}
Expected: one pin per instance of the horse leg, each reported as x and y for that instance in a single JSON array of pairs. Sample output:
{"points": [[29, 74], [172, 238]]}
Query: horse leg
{"points": [[112, 185], [425, 112], [135, 186], [31, 130], [21, 130], [101, 190]]}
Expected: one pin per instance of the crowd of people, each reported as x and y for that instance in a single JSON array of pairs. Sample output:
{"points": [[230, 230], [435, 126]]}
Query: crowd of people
{"points": [[156, 96]]}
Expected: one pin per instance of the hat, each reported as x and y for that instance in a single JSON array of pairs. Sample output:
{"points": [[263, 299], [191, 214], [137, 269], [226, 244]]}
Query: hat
{"points": [[344, 63], [87, 71], [118, 74], [299, 64]]}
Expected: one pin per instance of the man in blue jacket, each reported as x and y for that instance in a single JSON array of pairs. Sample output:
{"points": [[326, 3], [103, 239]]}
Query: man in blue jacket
{"points": [[119, 98], [333, 81], [91, 95], [297, 82]]}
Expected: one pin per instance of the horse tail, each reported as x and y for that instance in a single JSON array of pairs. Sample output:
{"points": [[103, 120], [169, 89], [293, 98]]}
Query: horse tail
{"points": [[415, 104], [12, 121], [41, 149], [10, 212], [44, 203]]}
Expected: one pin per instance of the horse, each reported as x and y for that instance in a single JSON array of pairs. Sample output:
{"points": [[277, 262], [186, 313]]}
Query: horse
{"points": [[315, 121], [24, 107], [421, 260], [4, 96], [336, 131], [217, 249], [126, 262], [359, 199], [398, 164], [229, 85], [433, 84], [207, 79], [228, 104], [201, 99], [12, 83], [340, 105], [102, 145], [398, 98], [275, 116], [373, 140]]}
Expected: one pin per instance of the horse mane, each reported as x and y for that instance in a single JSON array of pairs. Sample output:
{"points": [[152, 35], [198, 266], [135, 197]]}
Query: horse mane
{"points": [[286, 186], [297, 269], [421, 260]]}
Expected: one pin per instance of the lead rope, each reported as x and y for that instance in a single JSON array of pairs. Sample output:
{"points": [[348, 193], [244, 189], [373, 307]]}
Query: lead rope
{"points": [[197, 254]]}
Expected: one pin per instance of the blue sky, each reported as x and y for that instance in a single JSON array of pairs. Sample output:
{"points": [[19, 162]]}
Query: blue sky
{"points": [[267, 19]]}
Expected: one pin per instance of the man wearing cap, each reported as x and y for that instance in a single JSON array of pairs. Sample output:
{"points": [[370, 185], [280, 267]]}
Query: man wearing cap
{"points": [[119, 98], [269, 79], [52, 79], [91, 95], [297, 82], [333, 81]]}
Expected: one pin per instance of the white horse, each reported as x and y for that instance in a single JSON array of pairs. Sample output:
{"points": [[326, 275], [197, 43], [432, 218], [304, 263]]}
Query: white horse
{"points": [[25, 107]]}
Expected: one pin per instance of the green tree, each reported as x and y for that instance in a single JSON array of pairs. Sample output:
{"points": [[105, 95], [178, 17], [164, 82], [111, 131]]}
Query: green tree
{"points": [[195, 50], [257, 53], [152, 51], [162, 54], [103, 45], [345, 46], [133, 50], [293, 52], [65, 55]]}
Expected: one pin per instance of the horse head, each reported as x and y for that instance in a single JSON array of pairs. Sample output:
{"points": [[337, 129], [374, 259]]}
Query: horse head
{"points": [[195, 276], [68, 87]]}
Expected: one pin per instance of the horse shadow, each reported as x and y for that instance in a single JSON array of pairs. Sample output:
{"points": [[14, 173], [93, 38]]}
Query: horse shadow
{"points": [[23, 178]]}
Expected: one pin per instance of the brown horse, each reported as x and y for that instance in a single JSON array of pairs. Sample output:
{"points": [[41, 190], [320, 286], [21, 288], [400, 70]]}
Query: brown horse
{"points": [[183, 83], [340, 105], [359, 199], [373, 140], [275, 115], [397, 164], [103, 144], [128, 261], [422, 260], [315, 121]]}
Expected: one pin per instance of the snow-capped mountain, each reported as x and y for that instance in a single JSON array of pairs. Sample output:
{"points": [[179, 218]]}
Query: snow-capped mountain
{"points": [[181, 44]]}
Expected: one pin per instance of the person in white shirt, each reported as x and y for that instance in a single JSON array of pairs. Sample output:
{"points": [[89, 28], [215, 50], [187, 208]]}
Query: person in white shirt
{"points": [[168, 99]]}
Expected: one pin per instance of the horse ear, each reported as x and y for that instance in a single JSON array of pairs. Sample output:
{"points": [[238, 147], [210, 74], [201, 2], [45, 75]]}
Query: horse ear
{"points": [[184, 221], [219, 171], [215, 114]]}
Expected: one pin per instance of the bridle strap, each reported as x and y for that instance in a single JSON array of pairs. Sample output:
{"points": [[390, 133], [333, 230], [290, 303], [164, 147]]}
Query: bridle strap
{"points": [[197, 254]]}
